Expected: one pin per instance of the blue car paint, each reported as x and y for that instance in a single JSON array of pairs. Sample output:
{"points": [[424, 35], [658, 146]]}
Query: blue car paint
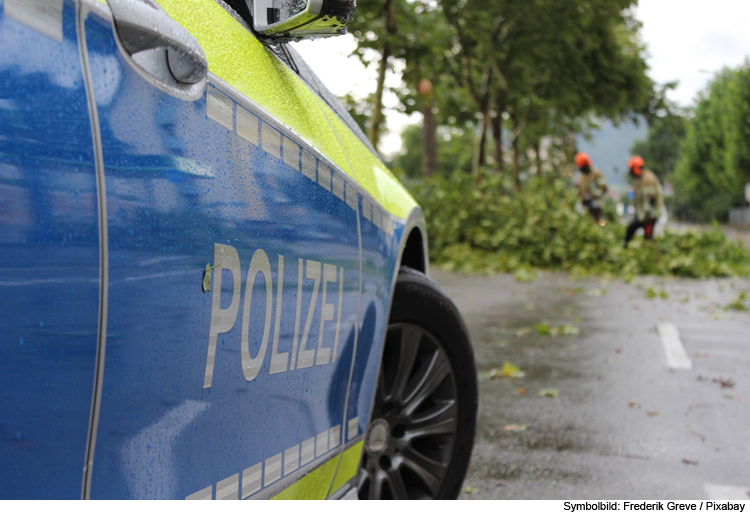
{"points": [[161, 434], [177, 184], [49, 262], [379, 258]]}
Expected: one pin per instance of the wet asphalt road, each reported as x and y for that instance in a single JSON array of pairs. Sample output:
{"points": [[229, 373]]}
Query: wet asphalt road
{"points": [[617, 422]]}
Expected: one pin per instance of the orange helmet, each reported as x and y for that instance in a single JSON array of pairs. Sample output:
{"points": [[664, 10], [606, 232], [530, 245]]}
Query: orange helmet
{"points": [[582, 160], [635, 165]]}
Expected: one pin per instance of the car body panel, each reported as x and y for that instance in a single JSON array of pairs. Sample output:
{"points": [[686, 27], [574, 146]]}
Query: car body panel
{"points": [[250, 251], [238, 58], [186, 181], [49, 254]]}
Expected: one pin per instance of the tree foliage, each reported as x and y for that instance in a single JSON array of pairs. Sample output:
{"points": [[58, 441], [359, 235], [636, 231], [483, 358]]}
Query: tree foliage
{"points": [[667, 129], [516, 71], [504, 86], [539, 228], [715, 163], [454, 149]]}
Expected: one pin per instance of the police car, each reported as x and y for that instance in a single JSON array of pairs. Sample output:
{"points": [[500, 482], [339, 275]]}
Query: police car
{"points": [[210, 285]]}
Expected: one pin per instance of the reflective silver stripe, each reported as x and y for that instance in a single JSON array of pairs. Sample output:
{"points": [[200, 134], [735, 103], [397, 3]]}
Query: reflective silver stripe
{"points": [[308, 165], [308, 451], [352, 429], [229, 488], [275, 129], [270, 140], [204, 494], [351, 195], [388, 227], [351, 495], [44, 16], [247, 125], [338, 185], [321, 444], [251, 480], [291, 153], [272, 470], [220, 108], [377, 217], [324, 176], [291, 459], [335, 436], [366, 208]]}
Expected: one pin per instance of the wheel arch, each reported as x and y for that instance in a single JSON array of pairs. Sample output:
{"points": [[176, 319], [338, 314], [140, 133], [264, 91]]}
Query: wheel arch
{"points": [[413, 251]]}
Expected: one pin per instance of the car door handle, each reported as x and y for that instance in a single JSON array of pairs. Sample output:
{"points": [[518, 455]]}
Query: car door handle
{"points": [[157, 44]]}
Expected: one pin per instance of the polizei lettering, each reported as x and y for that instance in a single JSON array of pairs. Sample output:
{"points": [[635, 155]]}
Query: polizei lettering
{"points": [[323, 281]]}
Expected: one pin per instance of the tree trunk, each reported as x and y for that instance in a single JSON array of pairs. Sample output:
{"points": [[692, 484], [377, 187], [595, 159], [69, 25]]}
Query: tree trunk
{"points": [[497, 131], [385, 53], [479, 148], [516, 154], [429, 130], [538, 155], [480, 151]]}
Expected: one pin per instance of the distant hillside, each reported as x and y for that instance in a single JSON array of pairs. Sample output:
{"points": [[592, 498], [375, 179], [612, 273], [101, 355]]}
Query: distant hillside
{"points": [[609, 148]]}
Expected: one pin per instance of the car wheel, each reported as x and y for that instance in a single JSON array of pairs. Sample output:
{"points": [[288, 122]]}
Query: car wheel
{"points": [[421, 433]]}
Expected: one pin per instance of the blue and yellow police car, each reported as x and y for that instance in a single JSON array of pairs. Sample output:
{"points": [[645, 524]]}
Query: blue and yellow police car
{"points": [[210, 285]]}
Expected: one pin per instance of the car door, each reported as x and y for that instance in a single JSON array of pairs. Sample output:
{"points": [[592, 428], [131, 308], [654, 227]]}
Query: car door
{"points": [[387, 213], [49, 252], [234, 267]]}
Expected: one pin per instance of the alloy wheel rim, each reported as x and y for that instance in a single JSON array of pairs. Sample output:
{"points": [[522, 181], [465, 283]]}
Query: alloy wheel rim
{"points": [[409, 444]]}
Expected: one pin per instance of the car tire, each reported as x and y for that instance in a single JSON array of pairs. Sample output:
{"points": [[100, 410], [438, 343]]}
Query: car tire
{"points": [[421, 433]]}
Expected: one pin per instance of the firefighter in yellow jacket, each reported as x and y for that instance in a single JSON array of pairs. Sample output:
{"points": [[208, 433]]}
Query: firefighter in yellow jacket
{"points": [[592, 186], [649, 199]]}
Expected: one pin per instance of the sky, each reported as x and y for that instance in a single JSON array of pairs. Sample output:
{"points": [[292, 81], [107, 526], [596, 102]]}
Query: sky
{"points": [[686, 40], [691, 40]]}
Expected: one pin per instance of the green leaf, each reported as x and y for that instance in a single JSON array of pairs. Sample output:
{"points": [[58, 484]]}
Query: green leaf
{"points": [[543, 329], [207, 278], [510, 370]]}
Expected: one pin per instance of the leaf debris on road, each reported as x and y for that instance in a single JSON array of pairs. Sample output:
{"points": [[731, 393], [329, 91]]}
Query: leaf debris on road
{"points": [[516, 427], [651, 293], [724, 383], [739, 303], [547, 330], [508, 370], [549, 393]]}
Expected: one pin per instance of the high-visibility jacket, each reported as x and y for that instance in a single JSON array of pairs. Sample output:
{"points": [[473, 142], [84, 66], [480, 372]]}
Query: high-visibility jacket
{"points": [[649, 196], [592, 185]]}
